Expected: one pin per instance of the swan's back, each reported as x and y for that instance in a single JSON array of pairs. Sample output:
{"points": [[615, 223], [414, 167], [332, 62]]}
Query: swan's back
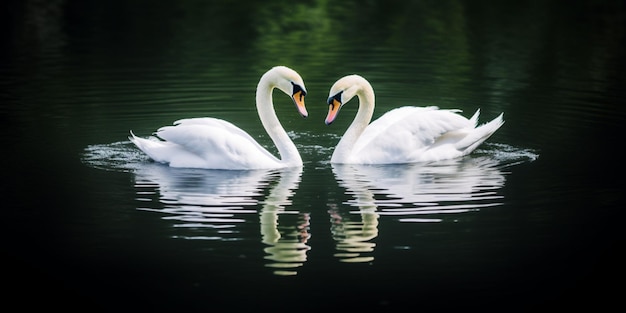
{"points": [[206, 143], [420, 134]]}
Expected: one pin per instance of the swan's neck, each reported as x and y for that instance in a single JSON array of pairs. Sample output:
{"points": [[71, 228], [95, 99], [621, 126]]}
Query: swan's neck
{"points": [[343, 150], [288, 152]]}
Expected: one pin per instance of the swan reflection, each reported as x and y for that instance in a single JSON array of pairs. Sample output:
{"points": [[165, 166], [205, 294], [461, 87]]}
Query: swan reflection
{"points": [[286, 245], [417, 193], [219, 204]]}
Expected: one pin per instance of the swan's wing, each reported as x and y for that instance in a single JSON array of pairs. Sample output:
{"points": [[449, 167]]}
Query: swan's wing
{"points": [[215, 122], [409, 134], [219, 143], [217, 125]]}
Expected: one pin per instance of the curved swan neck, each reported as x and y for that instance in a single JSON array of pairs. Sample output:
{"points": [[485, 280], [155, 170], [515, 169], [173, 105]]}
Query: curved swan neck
{"points": [[265, 108], [365, 95]]}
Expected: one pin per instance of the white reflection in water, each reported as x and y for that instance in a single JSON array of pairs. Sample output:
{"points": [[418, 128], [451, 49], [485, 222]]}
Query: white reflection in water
{"points": [[217, 204], [220, 204], [212, 203], [415, 193], [286, 246], [200, 198]]}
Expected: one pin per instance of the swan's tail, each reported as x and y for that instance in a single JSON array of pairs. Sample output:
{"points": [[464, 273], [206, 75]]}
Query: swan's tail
{"points": [[147, 146], [479, 134], [474, 119], [139, 142]]}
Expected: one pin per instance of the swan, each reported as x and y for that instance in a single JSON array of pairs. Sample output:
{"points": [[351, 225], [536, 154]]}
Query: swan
{"points": [[217, 144], [403, 135]]}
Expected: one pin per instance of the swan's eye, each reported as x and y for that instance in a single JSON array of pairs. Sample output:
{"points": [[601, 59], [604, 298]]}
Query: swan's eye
{"points": [[336, 97]]}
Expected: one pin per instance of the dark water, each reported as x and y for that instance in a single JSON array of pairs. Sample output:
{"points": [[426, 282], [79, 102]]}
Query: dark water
{"points": [[529, 220]]}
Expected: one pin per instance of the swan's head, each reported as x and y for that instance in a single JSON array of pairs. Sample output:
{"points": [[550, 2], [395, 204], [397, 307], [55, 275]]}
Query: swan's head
{"points": [[341, 92], [290, 82]]}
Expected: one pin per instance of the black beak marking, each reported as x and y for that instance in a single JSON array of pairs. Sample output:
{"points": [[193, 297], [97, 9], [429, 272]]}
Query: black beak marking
{"points": [[337, 97], [296, 89]]}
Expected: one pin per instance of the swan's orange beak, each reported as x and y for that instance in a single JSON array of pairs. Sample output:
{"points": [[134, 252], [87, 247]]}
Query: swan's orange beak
{"points": [[298, 99], [333, 108]]}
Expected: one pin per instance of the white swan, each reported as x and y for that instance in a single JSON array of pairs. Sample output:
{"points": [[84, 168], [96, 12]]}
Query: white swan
{"points": [[403, 135], [217, 144]]}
